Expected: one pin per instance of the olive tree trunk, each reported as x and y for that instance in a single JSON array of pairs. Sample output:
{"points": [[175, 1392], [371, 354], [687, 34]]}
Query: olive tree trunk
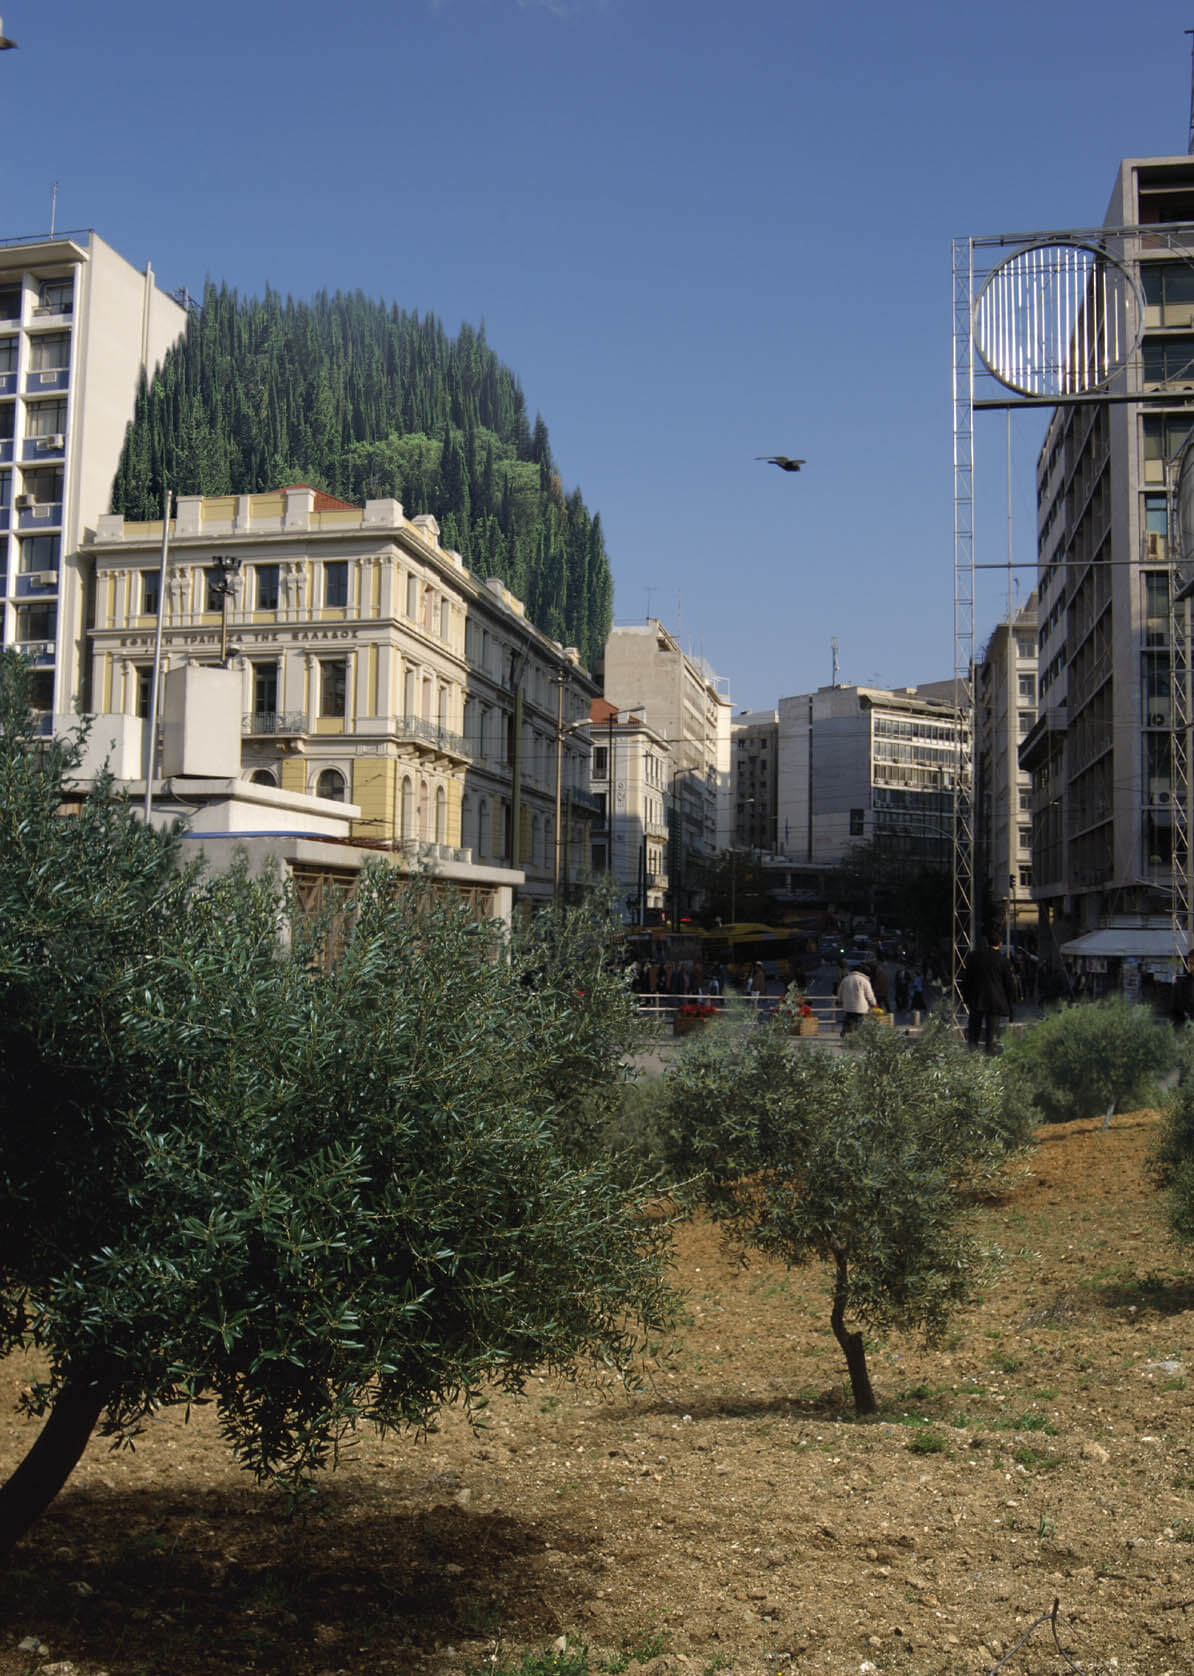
{"points": [[50, 1462], [852, 1345]]}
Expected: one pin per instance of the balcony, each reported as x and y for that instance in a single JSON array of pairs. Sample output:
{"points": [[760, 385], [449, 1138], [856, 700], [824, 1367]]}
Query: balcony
{"points": [[42, 447], [42, 515], [415, 729], [273, 724], [51, 378], [39, 652]]}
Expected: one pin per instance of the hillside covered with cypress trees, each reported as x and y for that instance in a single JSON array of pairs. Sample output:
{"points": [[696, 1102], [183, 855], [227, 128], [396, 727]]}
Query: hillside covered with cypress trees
{"points": [[365, 401]]}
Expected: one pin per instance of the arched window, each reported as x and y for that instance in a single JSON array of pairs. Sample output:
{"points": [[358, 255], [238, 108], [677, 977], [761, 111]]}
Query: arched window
{"points": [[263, 777], [483, 828], [408, 808], [424, 811], [441, 815], [332, 785]]}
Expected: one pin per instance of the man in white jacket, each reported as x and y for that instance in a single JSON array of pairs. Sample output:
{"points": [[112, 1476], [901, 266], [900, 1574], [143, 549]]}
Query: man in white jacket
{"points": [[856, 998]]}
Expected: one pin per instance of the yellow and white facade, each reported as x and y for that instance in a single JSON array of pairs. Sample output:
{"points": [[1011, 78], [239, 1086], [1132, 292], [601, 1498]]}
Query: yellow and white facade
{"points": [[375, 670]]}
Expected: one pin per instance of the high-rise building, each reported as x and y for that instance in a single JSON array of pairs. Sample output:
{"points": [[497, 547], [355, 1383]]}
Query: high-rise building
{"points": [[1101, 750], [79, 327], [1005, 714], [631, 774], [645, 670], [754, 786], [866, 765]]}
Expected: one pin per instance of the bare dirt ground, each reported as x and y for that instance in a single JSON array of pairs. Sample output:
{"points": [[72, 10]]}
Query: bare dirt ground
{"points": [[733, 1516]]}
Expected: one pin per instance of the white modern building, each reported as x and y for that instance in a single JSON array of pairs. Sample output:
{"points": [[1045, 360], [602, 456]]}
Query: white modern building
{"points": [[79, 328], [859, 765]]}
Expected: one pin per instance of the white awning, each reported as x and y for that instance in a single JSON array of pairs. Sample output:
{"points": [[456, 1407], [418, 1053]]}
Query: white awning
{"points": [[1131, 942]]}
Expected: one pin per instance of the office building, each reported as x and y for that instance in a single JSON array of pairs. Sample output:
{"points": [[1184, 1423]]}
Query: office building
{"points": [[79, 328], [754, 786], [644, 670], [631, 774], [1005, 714], [1101, 750], [862, 765]]}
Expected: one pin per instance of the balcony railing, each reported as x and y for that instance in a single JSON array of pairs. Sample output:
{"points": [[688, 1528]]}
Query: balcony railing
{"points": [[275, 722], [430, 733]]}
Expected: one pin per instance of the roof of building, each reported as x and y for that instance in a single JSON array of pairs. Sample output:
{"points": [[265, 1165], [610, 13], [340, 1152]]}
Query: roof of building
{"points": [[323, 502]]}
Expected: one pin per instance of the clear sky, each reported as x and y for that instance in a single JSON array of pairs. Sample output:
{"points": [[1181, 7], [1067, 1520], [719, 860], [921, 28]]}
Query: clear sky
{"points": [[698, 233]]}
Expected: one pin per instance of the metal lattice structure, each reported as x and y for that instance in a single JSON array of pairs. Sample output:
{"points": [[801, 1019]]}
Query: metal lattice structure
{"points": [[1050, 320]]}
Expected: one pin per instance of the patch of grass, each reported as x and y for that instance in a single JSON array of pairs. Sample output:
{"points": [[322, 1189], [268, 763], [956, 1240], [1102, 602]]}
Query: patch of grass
{"points": [[926, 1442], [573, 1661], [1004, 1362], [1023, 1423], [1035, 1460]]}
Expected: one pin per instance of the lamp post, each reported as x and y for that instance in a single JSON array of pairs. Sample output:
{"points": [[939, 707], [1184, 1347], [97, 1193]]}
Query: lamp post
{"points": [[226, 569]]}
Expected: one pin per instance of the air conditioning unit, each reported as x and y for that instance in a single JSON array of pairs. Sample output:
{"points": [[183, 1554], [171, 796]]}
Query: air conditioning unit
{"points": [[44, 650], [1162, 797], [53, 443], [23, 503], [44, 578]]}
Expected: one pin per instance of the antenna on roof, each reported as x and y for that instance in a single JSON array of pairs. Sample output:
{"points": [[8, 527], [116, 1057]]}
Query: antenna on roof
{"points": [[53, 206], [1190, 139], [833, 646]]}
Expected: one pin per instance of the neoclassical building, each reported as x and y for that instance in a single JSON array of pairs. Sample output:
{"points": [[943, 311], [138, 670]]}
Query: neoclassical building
{"points": [[375, 670]]}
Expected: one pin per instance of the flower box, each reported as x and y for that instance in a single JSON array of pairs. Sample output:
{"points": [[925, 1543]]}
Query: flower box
{"points": [[687, 1019], [806, 1025]]}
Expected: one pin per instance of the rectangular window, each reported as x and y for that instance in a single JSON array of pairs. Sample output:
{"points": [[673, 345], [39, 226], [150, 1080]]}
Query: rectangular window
{"points": [[50, 352], [1025, 837], [333, 686], [600, 761], [1028, 688], [1168, 360], [213, 589], [335, 583], [37, 622], [5, 490], [39, 552], [143, 676], [150, 580], [267, 587], [857, 822], [55, 296], [45, 419], [8, 354], [45, 486], [412, 596], [265, 689], [10, 302]]}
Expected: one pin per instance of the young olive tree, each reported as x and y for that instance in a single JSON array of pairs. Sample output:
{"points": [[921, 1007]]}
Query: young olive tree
{"points": [[1089, 1059], [859, 1160], [307, 1170]]}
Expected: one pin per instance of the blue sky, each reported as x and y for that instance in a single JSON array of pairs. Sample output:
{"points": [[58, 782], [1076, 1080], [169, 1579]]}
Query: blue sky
{"points": [[697, 233]]}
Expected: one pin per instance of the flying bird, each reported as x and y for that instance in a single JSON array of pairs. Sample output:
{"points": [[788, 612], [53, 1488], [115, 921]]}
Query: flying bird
{"points": [[780, 460]]}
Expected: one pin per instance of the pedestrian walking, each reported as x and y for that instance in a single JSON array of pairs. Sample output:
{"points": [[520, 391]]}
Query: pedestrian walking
{"points": [[989, 991], [856, 998]]}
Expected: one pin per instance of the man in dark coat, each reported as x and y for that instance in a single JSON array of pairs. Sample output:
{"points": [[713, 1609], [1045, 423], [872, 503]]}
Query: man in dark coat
{"points": [[989, 991]]}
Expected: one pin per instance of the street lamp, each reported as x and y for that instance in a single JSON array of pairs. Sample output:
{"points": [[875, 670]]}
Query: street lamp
{"points": [[226, 569]]}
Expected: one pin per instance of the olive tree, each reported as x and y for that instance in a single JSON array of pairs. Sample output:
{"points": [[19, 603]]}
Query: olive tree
{"points": [[1092, 1058], [305, 1169], [859, 1160]]}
